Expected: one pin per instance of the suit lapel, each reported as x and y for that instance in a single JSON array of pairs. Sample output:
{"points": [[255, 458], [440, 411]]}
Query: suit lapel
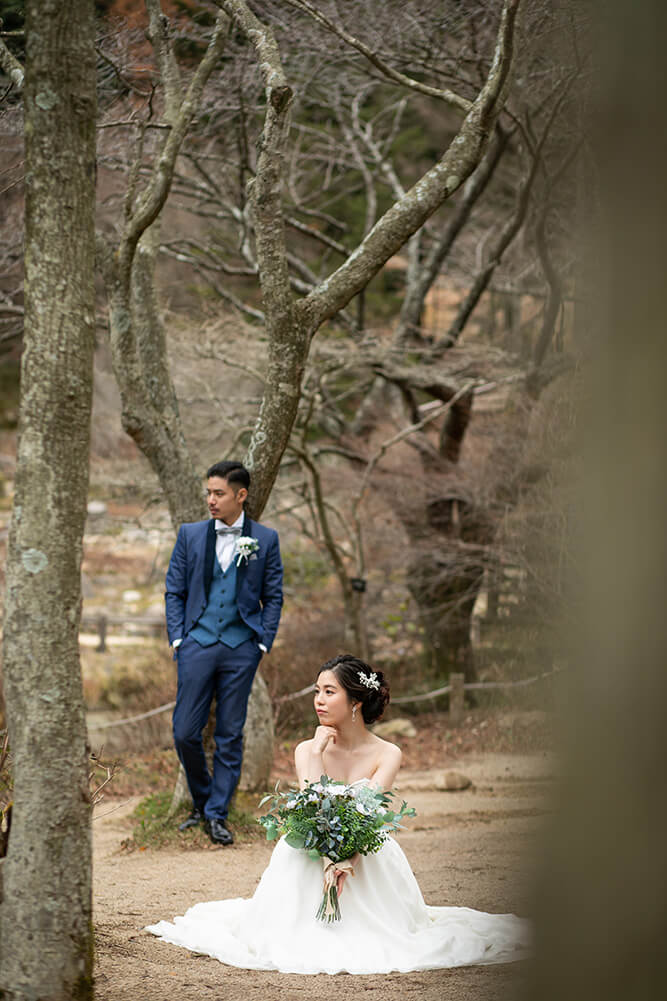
{"points": [[209, 555], [242, 568]]}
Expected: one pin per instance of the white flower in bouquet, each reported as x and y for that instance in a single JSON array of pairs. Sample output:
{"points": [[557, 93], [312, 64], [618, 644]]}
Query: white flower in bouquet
{"points": [[338, 790]]}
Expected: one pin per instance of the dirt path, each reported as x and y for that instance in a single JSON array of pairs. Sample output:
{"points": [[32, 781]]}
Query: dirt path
{"points": [[474, 848]]}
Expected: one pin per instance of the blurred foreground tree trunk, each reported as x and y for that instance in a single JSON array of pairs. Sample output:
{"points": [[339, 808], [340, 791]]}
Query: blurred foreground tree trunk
{"points": [[47, 942], [602, 915]]}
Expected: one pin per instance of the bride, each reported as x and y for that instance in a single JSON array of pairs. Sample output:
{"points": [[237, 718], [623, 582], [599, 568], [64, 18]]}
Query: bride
{"points": [[385, 925]]}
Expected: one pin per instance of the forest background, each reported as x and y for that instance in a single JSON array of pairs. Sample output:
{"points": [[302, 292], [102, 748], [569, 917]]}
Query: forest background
{"points": [[426, 475]]}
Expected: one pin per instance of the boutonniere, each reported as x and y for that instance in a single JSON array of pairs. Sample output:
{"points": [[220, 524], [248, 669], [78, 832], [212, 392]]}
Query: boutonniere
{"points": [[245, 546]]}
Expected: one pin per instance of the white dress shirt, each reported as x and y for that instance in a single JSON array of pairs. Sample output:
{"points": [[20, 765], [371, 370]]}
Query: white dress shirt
{"points": [[226, 544]]}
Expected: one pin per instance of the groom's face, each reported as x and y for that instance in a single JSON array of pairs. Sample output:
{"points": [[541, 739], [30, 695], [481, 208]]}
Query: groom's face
{"points": [[225, 500]]}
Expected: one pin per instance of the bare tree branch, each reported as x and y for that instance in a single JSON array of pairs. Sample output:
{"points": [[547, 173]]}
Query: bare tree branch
{"points": [[410, 212], [323, 238], [11, 66], [154, 196], [421, 278], [443, 95], [150, 408], [507, 232], [266, 193], [124, 81], [158, 32]]}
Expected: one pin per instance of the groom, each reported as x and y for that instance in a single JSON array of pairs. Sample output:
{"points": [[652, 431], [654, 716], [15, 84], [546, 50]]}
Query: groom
{"points": [[223, 601]]}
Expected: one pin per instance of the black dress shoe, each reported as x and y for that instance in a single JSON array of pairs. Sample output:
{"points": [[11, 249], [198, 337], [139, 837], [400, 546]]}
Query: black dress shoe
{"points": [[217, 832], [193, 820]]}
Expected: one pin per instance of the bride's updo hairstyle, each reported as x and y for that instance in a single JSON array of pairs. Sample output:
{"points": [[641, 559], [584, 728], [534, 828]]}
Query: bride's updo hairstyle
{"points": [[349, 671]]}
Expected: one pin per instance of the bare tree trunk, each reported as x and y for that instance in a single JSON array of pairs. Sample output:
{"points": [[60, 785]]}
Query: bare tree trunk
{"points": [[289, 339], [445, 597], [150, 410], [290, 325], [356, 630], [47, 943]]}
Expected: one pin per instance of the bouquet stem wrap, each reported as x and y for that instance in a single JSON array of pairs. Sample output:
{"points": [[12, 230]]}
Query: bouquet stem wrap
{"points": [[329, 908]]}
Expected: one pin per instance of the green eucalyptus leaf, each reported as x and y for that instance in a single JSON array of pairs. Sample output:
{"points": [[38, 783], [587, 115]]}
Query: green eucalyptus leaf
{"points": [[294, 840]]}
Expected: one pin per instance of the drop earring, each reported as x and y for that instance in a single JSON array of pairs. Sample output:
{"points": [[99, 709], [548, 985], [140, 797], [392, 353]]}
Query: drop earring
{"points": [[354, 713]]}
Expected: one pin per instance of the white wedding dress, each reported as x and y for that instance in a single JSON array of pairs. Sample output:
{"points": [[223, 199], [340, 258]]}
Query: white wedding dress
{"points": [[385, 925]]}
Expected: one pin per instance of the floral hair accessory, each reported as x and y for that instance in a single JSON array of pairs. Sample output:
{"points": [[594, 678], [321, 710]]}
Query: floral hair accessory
{"points": [[369, 680]]}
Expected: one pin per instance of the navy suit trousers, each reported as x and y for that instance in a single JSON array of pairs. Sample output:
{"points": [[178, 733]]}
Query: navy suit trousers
{"points": [[205, 671]]}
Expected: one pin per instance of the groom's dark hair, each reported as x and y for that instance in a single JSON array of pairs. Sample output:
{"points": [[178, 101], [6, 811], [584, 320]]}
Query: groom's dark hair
{"points": [[234, 472]]}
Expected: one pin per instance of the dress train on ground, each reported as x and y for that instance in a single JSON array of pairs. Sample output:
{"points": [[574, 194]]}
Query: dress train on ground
{"points": [[385, 926]]}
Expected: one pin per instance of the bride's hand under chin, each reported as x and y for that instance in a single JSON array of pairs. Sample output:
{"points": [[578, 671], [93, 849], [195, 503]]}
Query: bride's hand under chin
{"points": [[323, 735]]}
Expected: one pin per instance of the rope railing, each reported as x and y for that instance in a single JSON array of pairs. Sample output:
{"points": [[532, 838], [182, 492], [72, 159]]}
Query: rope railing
{"points": [[445, 690], [132, 719], [471, 686], [398, 700], [295, 695]]}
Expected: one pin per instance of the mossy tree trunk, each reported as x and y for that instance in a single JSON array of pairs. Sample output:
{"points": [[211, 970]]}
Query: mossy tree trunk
{"points": [[47, 941]]}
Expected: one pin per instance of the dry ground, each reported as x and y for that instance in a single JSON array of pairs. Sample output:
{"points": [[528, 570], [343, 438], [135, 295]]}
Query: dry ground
{"points": [[475, 848]]}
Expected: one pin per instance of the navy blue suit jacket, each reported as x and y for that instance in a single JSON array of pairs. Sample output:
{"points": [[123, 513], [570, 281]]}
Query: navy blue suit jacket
{"points": [[259, 580]]}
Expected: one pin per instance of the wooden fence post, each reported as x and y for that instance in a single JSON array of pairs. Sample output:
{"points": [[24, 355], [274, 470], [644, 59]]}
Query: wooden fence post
{"points": [[456, 697], [102, 630], [475, 630]]}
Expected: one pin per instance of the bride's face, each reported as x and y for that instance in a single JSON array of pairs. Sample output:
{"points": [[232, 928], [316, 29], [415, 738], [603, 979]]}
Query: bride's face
{"points": [[332, 703]]}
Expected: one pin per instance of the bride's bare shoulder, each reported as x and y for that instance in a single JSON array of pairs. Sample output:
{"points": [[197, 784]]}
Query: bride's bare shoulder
{"points": [[303, 748], [388, 752], [387, 763]]}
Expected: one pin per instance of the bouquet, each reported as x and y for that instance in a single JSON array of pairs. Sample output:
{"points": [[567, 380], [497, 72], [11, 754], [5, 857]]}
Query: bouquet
{"points": [[333, 821]]}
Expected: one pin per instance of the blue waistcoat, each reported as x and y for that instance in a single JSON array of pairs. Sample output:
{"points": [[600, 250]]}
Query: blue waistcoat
{"points": [[220, 622]]}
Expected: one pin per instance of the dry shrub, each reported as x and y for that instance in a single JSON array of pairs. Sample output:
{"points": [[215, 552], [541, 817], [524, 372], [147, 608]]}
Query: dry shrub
{"points": [[307, 638], [150, 770], [130, 678]]}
